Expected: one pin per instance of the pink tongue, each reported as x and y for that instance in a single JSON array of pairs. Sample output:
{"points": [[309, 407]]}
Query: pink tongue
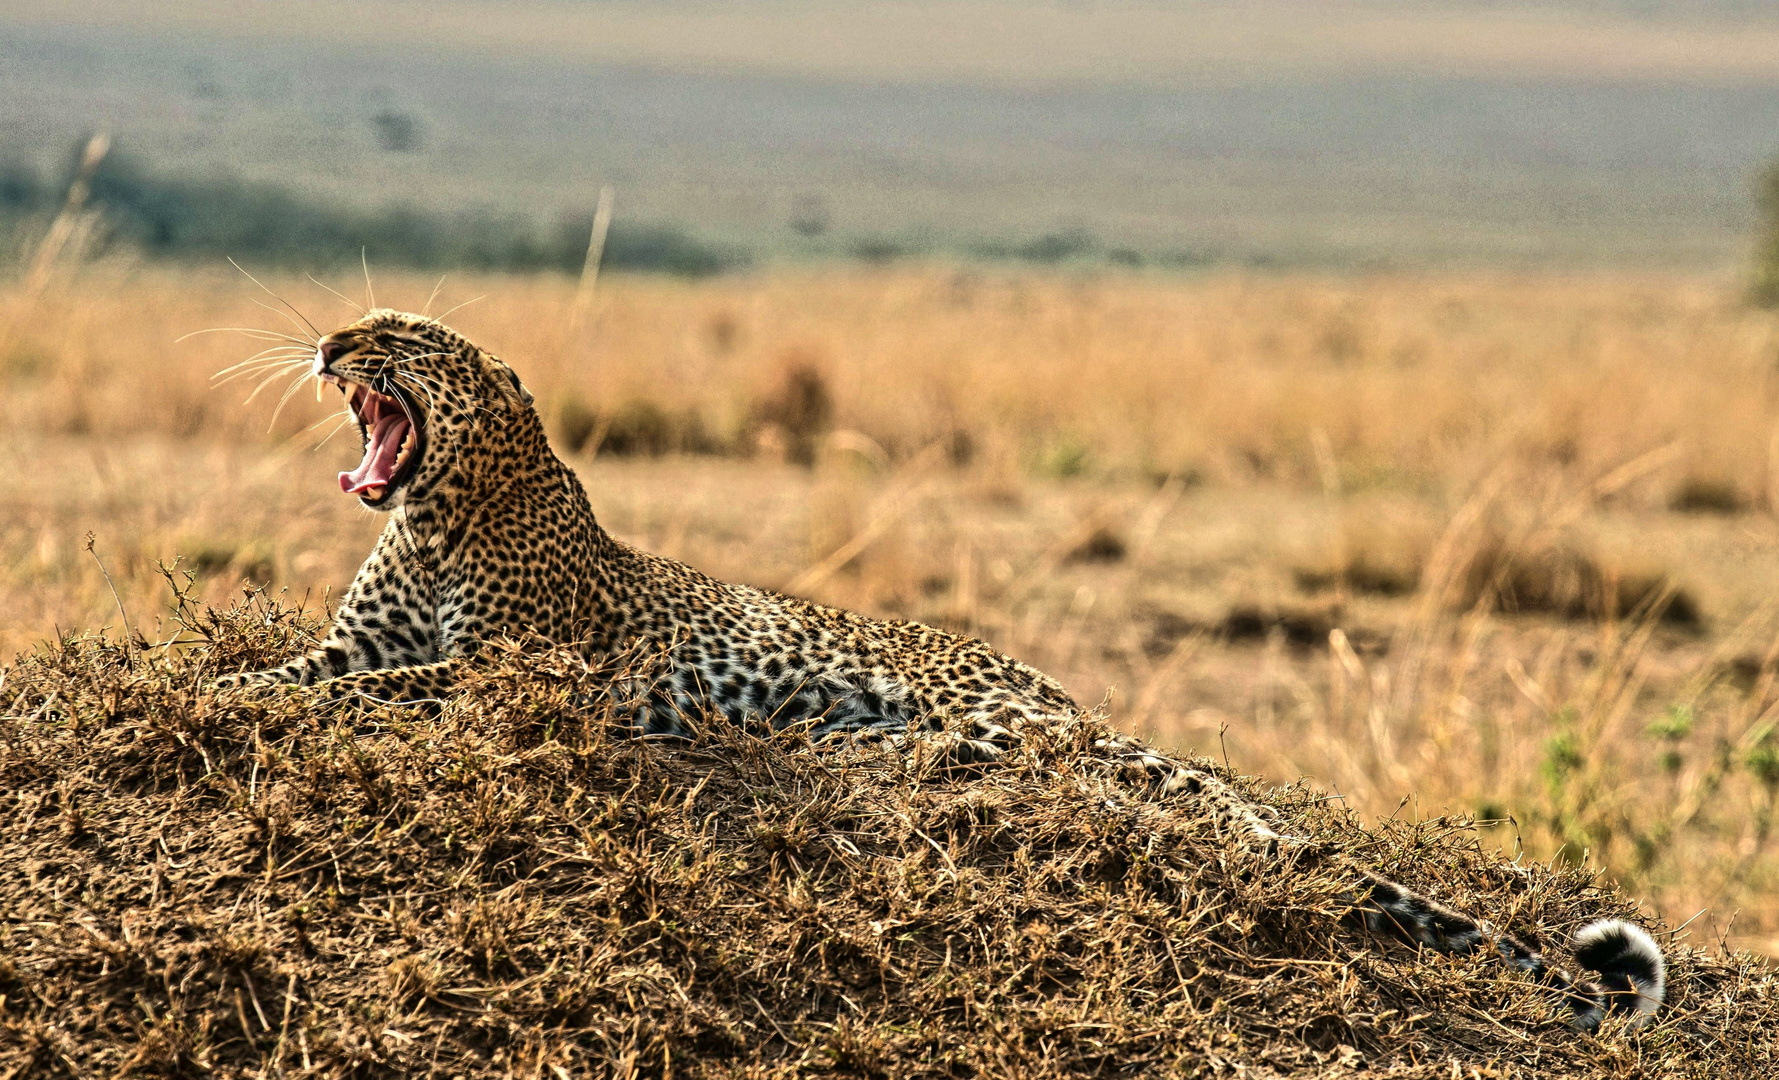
{"points": [[380, 452]]}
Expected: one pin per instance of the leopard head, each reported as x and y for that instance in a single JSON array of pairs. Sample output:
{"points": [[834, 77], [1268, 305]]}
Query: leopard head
{"points": [[438, 417]]}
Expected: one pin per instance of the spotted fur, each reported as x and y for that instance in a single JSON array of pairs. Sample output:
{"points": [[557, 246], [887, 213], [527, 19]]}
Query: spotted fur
{"points": [[490, 534]]}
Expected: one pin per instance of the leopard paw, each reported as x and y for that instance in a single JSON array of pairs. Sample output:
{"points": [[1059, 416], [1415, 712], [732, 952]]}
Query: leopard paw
{"points": [[1143, 766], [969, 747]]}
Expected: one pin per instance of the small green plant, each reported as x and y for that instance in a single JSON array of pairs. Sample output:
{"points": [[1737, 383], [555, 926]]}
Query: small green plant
{"points": [[1067, 457], [1562, 754], [1672, 728], [1762, 762]]}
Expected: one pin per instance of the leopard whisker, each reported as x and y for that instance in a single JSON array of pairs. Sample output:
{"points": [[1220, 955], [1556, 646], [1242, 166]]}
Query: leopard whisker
{"points": [[465, 304], [434, 295], [256, 332], [342, 422], [275, 370], [342, 414], [275, 311], [267, 381], [364, 260], [266, 364], [281, 300], [289, 391], [293, 350], [283, 354], [224, 378], [424, 387], [427, 380], [404, 377], [401, 361], [275, 354], [283, 357], [348, 301]]}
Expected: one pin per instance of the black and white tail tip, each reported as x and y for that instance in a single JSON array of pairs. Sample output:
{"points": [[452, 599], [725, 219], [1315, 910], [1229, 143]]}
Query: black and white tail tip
{"points": [[1631, 973]]}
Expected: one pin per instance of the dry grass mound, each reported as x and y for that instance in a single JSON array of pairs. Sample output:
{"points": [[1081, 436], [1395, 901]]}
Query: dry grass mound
{"points": [[508, 887]]}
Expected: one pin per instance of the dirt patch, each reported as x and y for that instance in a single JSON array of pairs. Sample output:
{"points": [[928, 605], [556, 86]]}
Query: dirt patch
{"points": [[193, 885]]}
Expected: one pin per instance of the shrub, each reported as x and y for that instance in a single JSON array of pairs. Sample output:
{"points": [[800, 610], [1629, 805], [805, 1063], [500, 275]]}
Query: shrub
{"points": [[173, 217]]}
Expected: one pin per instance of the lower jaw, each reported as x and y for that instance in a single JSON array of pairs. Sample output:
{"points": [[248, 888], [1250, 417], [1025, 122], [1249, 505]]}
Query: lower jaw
{"points": [[381, 498], [385, 496]]}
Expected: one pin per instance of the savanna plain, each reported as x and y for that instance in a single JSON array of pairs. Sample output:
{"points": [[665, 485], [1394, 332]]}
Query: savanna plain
{"points": [[1501, 548]]}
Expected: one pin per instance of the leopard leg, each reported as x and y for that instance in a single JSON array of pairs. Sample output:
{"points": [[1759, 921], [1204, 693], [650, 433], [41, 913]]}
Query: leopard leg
{"points": [[312, 667], [383, 621], [395, 686]]}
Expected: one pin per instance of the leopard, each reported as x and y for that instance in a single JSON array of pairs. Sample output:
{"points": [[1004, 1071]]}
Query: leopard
{"points": [[491, 535]]}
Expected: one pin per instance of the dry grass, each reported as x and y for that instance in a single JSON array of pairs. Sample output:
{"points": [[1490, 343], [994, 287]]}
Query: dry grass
{"points": [[250, 886], [1538, 511], [1396, 383]]}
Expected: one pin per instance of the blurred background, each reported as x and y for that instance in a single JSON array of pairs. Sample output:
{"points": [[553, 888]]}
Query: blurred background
{"points": [[1272, 134], [1385, 394]]}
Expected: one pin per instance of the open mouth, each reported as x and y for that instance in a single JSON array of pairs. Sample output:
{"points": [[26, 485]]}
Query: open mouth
{"points": [[392, 442]]}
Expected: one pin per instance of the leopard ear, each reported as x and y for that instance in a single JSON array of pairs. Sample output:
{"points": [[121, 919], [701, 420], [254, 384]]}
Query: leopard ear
{"points": [[506, 383]]}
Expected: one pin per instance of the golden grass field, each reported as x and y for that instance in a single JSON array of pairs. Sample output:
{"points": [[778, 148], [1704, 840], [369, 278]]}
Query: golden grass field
{"points": [[1501, 546]]}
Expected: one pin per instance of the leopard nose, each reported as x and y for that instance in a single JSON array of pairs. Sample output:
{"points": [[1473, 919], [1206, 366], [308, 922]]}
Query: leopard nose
{"points": [[325, 354], [329, 351]]}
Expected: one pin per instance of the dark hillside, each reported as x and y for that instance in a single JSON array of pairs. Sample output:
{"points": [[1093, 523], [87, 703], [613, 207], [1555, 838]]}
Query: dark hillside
{"points": [[197, 886]]}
